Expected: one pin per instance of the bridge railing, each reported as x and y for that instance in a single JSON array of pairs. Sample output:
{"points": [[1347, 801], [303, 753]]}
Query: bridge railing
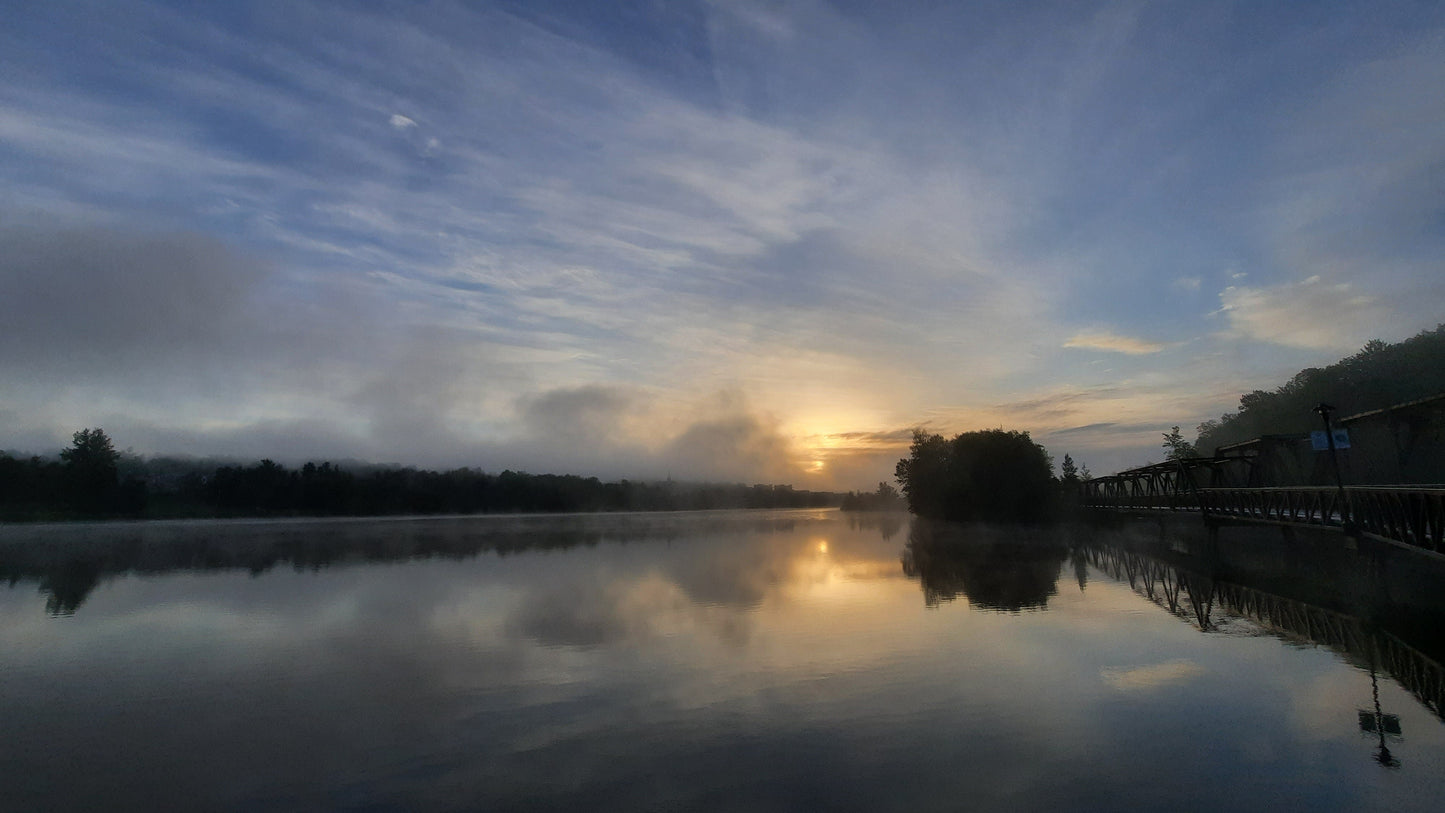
{"points": [[1415, 516], [1408, 514], [1289, 506]]}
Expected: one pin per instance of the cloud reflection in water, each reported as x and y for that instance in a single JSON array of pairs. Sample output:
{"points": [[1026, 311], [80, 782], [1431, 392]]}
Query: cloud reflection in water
{"points": [[643, 662]]}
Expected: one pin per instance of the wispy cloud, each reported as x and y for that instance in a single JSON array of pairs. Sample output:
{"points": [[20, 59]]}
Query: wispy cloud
{"points": [[544, 217], [1113, 342], [1310, 314]]}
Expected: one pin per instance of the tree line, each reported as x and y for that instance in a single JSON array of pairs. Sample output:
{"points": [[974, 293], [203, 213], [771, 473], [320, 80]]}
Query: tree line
{"points": [[883, 498], [86, 482], [1379, 375]]}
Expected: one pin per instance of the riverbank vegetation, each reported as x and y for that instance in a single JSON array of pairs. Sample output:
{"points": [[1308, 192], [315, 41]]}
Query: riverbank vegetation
{"points": [[92, 480], [884, 498]]}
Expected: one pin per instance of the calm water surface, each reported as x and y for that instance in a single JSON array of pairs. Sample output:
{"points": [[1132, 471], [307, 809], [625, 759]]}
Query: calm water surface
{"points": [[722, 661]]}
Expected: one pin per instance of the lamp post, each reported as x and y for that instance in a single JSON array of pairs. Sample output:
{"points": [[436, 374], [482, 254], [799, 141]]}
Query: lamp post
{"points": [[1323, 410]]}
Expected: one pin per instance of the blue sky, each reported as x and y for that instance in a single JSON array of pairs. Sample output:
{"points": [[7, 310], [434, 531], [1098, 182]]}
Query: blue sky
{"points": [[750, 240]]}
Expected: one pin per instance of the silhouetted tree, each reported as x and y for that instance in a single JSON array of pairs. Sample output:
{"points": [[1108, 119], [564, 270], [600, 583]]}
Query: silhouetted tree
{"points": [[1069, 470], [1068, 485], [91, 470], [1178, 448], [992, 475], [926, 475]]}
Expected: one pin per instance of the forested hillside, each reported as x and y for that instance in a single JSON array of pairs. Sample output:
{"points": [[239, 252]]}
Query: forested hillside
{"points": [[1380, 375]]}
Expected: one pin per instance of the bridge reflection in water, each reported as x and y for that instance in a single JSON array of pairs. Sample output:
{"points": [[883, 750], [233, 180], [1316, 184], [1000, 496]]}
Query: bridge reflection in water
{"points": [[1368, 638], [1380, 611]]}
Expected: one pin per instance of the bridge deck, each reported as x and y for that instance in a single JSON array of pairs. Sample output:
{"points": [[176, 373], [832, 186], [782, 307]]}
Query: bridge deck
{"points": [[1408, 515]]}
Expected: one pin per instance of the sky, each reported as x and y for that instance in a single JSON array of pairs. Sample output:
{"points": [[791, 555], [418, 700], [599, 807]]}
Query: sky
{"points": [[743, 241]]}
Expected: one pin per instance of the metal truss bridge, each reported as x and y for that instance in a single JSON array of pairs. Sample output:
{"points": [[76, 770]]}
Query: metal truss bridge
{"points": [[1413, 516]]}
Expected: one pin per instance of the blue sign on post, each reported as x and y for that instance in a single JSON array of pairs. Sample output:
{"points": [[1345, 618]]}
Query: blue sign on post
{"points": [[1320, 442]]}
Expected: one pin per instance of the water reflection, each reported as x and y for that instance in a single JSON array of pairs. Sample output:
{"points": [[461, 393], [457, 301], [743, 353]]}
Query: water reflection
{"points": [[1189, 595], [70, 561], [1377, 722], [996, 568], [887, 523], [1380, 611], [1373, 610], [778, 660], [65, 585]]}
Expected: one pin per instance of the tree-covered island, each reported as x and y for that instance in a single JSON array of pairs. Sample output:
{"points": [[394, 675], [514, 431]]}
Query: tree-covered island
{"points": [[994, 475]]}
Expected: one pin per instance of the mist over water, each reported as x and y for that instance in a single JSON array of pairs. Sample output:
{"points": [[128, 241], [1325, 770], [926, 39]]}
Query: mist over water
{"points": [[718, 660]]}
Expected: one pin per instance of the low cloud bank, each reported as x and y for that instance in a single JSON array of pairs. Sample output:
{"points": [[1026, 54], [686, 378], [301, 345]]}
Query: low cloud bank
{"points": [[178, 345]]}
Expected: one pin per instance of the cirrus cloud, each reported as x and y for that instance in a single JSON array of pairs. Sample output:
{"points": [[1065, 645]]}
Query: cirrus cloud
{"points": [[1113, 343]]}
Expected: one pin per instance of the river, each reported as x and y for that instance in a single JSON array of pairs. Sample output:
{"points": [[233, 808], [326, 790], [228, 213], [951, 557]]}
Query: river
{"points": [[747, 660]]}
